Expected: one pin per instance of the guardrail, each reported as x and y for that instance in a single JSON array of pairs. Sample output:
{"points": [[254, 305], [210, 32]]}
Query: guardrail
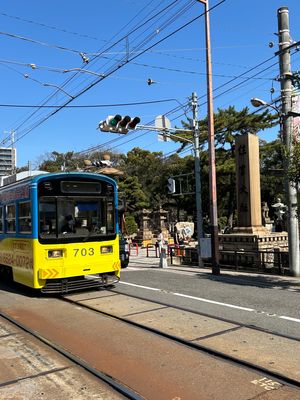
{"points": [[266, 261], [151, 247], [261, 261], [134, 246]]}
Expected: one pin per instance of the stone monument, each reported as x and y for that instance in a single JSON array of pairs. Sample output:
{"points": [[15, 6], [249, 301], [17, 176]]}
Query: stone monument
{"points": [[144, 234], [249, 235], [248, 185], [266, 220], [280, 210]]}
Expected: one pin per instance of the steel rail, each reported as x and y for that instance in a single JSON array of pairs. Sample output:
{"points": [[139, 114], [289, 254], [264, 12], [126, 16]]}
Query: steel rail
{"points": [[284, 380], [230, 321], [114, 384]]}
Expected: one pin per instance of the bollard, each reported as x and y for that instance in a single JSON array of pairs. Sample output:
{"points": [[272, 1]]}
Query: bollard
{"points": [[163, 257]]}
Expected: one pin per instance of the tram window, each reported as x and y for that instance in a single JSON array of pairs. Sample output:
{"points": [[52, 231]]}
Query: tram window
{"points": [[1, 219], [25, 217], [110, 217], [47, 216], [10, 218], [89, 216]]}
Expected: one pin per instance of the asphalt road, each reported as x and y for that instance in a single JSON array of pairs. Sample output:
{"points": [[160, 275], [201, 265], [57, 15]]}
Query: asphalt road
{"points": [[263, 301]]}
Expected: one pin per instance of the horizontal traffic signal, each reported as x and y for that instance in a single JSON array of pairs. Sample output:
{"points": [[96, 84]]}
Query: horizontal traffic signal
{"points": [[119, 124], [113, 121], [133, 123]]}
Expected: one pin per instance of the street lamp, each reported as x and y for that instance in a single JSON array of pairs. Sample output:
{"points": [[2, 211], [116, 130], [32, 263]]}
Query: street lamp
{"points": [[84, 71], [211, 149], [256, 102], [290, 188], [59, 88]]}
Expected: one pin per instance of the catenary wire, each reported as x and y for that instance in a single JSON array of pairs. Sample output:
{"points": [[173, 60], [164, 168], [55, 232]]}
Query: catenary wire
{"points": [[110, 72], [72, 77], [63, 85]]}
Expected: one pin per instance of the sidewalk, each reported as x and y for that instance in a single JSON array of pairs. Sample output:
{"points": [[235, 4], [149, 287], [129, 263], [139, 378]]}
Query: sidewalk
{"points": [[141, 260]]}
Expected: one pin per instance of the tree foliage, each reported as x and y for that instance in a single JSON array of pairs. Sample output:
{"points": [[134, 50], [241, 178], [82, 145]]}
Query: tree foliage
{"points": [[144, 183]]}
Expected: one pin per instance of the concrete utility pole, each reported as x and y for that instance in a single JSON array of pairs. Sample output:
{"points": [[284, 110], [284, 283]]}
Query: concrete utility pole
{"points": [[197, 176], [287, 127], [211, 149]]}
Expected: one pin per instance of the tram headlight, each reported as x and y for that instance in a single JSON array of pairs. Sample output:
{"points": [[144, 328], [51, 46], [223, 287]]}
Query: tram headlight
{"points": [[55, 253], [106, 249]]}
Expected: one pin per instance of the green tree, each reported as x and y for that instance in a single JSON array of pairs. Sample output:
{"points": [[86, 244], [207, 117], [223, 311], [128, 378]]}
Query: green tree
{"points": [[130, 190], [294, 165], [271, 170], [149, 169], [131, 226], [61, 161]]}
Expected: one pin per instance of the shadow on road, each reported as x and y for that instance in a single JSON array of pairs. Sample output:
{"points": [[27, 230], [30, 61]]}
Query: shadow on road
{"points": [[263, 281]]}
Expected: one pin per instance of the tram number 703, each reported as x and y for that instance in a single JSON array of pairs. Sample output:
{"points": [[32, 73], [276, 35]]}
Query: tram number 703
{"points": [[84, 252]]}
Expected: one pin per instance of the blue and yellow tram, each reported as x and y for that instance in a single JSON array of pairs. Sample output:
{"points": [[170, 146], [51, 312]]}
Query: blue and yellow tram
{"points": [[59, 232]]}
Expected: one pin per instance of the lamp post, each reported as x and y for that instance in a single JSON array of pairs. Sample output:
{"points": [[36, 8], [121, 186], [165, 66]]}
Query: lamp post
{"points": [[211, 149], [285, 116], [59, 88], [84, 71]]}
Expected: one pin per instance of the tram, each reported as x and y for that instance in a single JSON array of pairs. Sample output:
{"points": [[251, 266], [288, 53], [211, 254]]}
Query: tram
{"points": [[59, 231]]}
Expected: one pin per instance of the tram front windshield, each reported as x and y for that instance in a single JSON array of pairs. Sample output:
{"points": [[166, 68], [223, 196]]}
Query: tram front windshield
{"points": [[76, 217]]}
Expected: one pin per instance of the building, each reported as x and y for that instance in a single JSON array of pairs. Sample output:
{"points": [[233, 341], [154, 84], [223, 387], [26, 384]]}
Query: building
{"points": [[8, 160]]}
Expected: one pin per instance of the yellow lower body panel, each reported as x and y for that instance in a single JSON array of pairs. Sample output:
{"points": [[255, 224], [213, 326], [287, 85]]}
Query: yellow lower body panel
{"points": [[33, 263]]}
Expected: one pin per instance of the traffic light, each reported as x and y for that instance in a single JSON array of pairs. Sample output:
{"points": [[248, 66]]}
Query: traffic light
{"points": [[133, 123], [112, 121], [118, 124], [171, 185]]}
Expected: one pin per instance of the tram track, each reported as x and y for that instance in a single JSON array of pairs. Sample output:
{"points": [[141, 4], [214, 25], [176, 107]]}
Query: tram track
{"points": [[147, 363], [270, 374], [186, 309], [109, 380]]}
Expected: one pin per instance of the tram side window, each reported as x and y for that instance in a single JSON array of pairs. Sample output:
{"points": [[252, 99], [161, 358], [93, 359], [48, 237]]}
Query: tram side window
{"points": [[47, 216], [1, 219], [10, 218], [25, 217], [110, 218]]}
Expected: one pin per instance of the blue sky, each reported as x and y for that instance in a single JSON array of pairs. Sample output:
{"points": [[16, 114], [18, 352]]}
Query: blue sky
{"points": [[51, 37]]}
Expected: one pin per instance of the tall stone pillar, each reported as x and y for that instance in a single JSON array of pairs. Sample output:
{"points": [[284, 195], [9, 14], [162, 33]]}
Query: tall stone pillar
{"points": [[248, 185]]}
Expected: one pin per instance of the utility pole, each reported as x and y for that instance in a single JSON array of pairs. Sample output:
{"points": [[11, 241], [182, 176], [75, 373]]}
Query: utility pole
{"points": [[215, 257], [194, 103], [286, 77]]}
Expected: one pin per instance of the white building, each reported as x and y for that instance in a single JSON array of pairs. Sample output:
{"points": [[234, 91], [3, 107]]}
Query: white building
{"points": [[8, 160]]}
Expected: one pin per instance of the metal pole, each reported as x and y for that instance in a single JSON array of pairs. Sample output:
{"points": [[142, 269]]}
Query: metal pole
{"points": [[197, 176], [211, 148], [287, 123]]}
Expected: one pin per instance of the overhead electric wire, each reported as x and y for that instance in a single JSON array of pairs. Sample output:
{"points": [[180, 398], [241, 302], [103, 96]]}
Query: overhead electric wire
{"points": [[11, 35], [68, 80], [113, 70], [47, 26], [135, 103], [144, 132], [74, 75], [216, 96], [251, 69], [171, 18], [61, 70]]}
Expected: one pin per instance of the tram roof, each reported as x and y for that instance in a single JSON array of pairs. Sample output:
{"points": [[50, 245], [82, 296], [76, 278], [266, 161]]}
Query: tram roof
{"points": [[30, 175]]}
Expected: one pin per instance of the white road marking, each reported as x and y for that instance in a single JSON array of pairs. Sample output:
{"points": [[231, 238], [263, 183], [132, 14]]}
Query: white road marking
{"points": [[289, 318], [211, 301], [214, 302], [139, 286]]}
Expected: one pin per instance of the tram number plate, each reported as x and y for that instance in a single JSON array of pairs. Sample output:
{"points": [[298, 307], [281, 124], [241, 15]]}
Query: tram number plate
{"points": [[84, 252]]}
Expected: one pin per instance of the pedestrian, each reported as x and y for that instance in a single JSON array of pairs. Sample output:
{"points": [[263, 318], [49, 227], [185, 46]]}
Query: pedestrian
{"points": [[160, 241]]}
